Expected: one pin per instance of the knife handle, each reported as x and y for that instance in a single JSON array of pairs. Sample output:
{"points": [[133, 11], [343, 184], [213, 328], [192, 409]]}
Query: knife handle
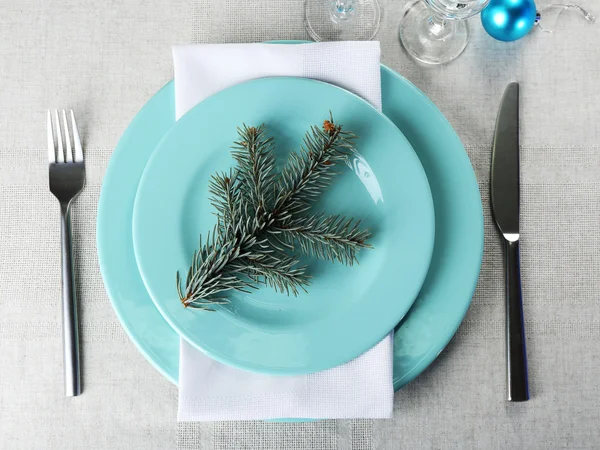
{"points": [[516, 356]]}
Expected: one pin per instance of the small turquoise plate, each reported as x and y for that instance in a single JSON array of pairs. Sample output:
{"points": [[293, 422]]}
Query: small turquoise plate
{"points": [[346, 310], [446, 293]]}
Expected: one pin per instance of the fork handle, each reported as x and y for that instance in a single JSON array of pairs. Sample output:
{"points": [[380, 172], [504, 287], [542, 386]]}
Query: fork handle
{"points": [[69, 307], [516, 356]]}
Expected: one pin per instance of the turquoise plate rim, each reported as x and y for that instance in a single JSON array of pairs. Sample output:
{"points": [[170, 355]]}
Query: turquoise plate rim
{"points": [[166, 360], [477, 237], [222, 337]]}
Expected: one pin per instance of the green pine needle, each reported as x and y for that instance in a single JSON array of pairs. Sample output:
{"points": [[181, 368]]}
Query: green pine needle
{"points": [[256, 164], [334, 238], [309, 172]]}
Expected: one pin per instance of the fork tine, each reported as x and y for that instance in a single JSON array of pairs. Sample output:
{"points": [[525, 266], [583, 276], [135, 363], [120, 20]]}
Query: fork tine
{"points": [[51, 149], [76, 140], [61, 154], [69, 153]]}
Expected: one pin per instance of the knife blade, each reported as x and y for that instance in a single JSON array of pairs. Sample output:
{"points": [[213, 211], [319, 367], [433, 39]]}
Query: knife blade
{"points": [[504, 195], [504, 178]]}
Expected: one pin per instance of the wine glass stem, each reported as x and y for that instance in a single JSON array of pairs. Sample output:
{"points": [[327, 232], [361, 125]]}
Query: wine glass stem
{"points": [[341, 10], [436, 25]]}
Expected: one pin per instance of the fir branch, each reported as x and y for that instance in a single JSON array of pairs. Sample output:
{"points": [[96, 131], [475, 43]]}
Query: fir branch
{"points": [[211, 271], [227, 199], [237, 255], [238, 264], [256, 163], [259, 218], [309, 172], [277, 271], [334, 238]]}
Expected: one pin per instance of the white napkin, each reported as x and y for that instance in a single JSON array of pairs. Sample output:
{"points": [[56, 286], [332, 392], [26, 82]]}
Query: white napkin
{"points": [[209, 390]]}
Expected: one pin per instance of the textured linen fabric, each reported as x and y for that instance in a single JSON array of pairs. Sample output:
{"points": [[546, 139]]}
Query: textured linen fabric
{"points": [[209, 390], [105, 59]]}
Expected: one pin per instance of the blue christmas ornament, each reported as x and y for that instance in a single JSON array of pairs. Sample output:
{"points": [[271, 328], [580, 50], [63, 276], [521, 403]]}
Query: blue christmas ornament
{"points": [[508, 20]]}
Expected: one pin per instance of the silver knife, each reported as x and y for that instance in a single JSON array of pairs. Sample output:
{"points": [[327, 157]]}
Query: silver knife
{"points": [[504, 193]]}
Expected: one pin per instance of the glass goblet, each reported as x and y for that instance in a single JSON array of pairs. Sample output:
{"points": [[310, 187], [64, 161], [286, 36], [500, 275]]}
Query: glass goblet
{"points": [[342, 20], [434, 31]]}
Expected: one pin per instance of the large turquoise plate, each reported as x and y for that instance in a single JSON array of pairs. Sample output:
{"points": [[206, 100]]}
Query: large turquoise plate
{"points": [[453, 273], [347, 309]]}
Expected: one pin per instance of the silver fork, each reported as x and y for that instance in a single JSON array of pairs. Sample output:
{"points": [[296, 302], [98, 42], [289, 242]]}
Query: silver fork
{"points": [[67, 177]]}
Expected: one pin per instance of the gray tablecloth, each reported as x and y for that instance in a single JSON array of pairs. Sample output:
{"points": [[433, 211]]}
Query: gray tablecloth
{"points": [[105, 59]]}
